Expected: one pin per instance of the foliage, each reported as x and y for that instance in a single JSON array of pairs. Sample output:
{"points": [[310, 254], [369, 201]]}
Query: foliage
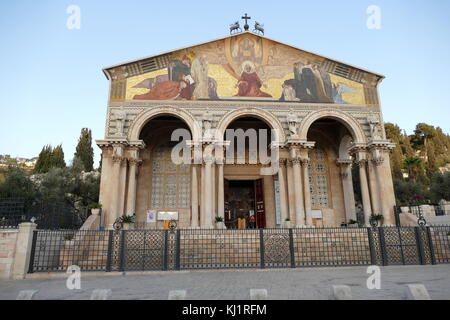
{"points": [[50, 158], [406, 190], [440, 186], [95, 205], [127, 219], [84, 150], [16, 183], [219, 219], [351, 221]]}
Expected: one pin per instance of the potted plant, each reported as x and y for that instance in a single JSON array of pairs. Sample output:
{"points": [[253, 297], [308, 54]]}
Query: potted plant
{"points": [[95, 208], [68, 240], [287, 223], [352, 223], [127, 222], [376, 219], [219, 223]]}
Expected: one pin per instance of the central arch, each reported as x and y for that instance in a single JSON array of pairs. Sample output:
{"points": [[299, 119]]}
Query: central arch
{"points": [[265, 116]]}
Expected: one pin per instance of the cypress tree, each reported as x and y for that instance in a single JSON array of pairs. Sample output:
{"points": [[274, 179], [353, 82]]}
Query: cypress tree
{"points": [[58, 157], [44, 161], [84, 150]]}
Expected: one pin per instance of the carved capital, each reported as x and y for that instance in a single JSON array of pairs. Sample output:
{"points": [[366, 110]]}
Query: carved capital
{"points": [[305, 161], [295, 161], [378, 161], [282, 162]]}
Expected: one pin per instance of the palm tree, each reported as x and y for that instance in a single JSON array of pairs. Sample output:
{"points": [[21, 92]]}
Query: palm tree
{"points": [[412, 164]]}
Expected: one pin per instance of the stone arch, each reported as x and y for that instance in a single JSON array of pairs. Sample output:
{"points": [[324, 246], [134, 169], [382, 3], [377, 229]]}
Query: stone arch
{"points": [[347, 120], [263, 115], [143, 118]]}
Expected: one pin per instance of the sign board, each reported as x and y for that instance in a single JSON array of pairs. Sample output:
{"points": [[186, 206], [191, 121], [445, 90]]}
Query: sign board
{"points": [[167, 215], [151, 216], [316, 214]]}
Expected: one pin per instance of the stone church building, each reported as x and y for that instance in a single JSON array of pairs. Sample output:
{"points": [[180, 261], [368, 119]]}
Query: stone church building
{"points": [[325, 129]]}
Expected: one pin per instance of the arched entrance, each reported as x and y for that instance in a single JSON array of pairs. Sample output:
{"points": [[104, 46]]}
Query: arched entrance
{"points": [[248, 195], [163, 184], [330, 179]]}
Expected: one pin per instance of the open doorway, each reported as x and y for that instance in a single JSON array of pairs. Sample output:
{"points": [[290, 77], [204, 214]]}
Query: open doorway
{"points": [[244, 204]]}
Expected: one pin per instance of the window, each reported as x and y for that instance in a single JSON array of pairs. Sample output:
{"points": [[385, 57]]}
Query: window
{"points": [[170, 182], [318, 182]]}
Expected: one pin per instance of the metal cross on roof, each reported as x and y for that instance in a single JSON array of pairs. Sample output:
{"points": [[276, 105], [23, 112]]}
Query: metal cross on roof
{"points": [[246, 26]]}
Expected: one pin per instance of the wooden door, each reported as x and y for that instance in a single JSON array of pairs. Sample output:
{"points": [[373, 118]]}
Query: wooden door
{"points": [[260, 207]]}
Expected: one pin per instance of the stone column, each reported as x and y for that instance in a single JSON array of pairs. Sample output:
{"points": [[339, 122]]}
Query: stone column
{"points": [[213, 192], [132, 185], [116, 196], [290, 190], [362, 163], [373, 187], [283, 189], [220, 195], [208, 192], [307, 191], [194, 197], [299, 209], [123, 183], [202, 195], [347, 188]]}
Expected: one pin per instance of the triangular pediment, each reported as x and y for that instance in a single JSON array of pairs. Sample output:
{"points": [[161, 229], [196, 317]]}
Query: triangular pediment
{"points": [[245, 66]]}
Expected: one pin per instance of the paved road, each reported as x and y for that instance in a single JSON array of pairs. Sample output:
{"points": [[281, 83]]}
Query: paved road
{"points": [[302, 283]]}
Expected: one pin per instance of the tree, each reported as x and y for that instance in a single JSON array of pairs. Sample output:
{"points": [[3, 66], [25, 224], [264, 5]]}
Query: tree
{"points": [[44, 161], [440, 186], [84, 150], [413, 165], [17, 184], [58, 157]]}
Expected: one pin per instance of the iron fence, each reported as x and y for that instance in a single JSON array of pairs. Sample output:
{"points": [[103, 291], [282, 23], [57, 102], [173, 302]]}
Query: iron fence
{"points": [[131, 250]]}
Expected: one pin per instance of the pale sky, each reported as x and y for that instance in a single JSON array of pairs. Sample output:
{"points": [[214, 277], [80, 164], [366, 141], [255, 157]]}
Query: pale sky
{"points": [[52, 83]]}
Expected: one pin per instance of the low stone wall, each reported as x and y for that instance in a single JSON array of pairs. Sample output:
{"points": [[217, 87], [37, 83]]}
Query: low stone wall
{"points": [[8, 239]]}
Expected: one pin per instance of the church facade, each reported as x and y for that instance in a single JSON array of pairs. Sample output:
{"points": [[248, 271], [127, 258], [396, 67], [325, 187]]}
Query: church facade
{"points": [[317, 120]]}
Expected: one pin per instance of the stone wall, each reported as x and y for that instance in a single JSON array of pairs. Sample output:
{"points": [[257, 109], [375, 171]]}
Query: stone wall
{"points": [[8, 239]]}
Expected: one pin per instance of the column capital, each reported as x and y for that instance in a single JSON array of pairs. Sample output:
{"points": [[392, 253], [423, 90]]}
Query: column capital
{"points": [[305, 161], [282, 162], [295, 161], [344, 162], [378, 161], [300, 144], [118, 159]]}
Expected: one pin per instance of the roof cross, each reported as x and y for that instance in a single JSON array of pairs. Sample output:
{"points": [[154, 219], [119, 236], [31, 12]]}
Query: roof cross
{"points": [[246, 26]]}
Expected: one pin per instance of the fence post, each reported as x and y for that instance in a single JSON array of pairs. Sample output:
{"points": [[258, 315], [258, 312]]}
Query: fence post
{"points": [[261, 248], [122, 251], [22, 252], [33, 251], [384, 258], [110, 249], [291, 248], [177, 250], [166, 249], [419, 245], [373, 257], [430, 243]]}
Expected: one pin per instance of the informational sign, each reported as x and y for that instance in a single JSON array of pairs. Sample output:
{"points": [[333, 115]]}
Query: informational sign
{"points": [[151, 216], [316, 214], [277, 202], [167, 215]]}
